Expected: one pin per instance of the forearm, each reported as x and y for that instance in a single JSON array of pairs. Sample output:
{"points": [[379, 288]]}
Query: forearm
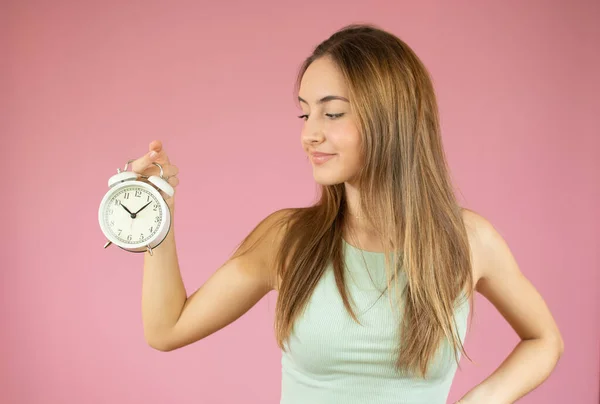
{"points": [[163, 291], [528, 365]]}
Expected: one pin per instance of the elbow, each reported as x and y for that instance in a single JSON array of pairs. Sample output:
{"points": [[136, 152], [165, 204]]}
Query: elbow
{"points": [[160, 346], [556, 344], [158, 343], [560, 345]]}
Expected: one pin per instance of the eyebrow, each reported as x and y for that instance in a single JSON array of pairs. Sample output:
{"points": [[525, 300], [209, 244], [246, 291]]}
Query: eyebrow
{"points": [[326, 99]]}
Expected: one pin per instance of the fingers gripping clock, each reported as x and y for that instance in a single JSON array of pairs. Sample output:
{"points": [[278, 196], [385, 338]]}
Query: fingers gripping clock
{"points": [[133, 214]]}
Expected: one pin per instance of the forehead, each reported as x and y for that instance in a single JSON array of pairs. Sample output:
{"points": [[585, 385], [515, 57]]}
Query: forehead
{"points": [[322, 78]]}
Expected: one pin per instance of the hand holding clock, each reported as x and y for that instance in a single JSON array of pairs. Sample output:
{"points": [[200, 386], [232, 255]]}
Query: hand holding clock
{"points": [[145, 167], [152, 180]]}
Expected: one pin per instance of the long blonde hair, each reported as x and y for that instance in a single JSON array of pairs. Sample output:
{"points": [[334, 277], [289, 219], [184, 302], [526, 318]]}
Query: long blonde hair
{"points": [[405, 191]]}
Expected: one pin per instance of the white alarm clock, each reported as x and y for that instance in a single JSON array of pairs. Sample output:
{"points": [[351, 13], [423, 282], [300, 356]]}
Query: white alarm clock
{"points": [[133, 214]]}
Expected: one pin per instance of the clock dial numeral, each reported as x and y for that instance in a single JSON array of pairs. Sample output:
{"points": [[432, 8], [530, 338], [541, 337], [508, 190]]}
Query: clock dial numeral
{"points": [[126, 196], [138, 193]]}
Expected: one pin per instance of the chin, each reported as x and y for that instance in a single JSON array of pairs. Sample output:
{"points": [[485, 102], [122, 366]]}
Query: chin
{"points": [[327, 183], [329, 178]]}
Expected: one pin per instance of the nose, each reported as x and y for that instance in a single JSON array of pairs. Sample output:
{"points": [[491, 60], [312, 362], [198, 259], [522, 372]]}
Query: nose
{"points": [[312, 134]]}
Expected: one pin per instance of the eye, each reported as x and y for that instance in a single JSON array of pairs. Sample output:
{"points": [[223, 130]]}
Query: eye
{"points": [[331, 116]]}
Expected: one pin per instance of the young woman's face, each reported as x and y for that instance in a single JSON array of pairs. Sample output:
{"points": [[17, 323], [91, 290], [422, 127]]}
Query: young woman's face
{"points": [[329, 125]]}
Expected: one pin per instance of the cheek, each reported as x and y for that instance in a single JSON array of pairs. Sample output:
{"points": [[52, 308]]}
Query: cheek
{"points": [[348, 143]]}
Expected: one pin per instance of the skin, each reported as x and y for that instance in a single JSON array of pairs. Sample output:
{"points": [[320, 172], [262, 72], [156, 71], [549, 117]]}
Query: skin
{"points": [[248, 278]]}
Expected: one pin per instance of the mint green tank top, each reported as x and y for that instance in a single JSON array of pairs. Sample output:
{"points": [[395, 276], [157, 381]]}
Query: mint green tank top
{"points": [[331, 359]]}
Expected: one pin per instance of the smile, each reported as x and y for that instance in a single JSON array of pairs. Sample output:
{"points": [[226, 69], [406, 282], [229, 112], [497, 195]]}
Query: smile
{"points": [[321, 159]]}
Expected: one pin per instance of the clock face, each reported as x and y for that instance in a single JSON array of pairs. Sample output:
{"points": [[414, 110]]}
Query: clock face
{"points": [[132, 215]]}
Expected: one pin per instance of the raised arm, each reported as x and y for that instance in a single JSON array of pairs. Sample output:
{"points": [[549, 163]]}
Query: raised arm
{"points": [[172, 320]]}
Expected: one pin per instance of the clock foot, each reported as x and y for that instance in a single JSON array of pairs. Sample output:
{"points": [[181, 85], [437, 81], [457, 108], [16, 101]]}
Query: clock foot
{"points": [[149, 249], [107, 244]]}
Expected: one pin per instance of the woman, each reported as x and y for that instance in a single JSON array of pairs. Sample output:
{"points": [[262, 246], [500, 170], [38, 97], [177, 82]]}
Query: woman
{"points": [[375, 281]]}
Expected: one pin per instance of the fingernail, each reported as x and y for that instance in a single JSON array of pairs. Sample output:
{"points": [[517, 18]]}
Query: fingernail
{"points": [[152, 154]]}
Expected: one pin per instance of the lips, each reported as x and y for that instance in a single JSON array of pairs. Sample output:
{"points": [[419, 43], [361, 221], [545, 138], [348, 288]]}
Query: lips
{"points": [[319, 158]]}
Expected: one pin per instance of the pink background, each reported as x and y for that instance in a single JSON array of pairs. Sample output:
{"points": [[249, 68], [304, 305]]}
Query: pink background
{"points": [[87, 85]]}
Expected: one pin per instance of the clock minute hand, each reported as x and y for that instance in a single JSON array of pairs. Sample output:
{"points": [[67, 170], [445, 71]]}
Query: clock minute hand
{"points": [[143, 207]]}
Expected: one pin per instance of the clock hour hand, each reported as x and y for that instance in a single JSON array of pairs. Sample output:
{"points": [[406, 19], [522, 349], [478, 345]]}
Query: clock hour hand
{"points": [[125, 207], [143, 207]]}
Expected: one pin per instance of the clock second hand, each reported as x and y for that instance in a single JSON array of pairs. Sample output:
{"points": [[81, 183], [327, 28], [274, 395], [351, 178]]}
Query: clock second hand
{"points": [[132, 216], [135, 215]]}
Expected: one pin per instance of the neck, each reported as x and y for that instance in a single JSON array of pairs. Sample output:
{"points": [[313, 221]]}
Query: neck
{"points": [[357, 231], [360, 233]]}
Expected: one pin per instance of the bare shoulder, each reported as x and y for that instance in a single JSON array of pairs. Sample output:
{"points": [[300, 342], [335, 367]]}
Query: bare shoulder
{"points": [[259, 248], [483, 237], [499, 279]]}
